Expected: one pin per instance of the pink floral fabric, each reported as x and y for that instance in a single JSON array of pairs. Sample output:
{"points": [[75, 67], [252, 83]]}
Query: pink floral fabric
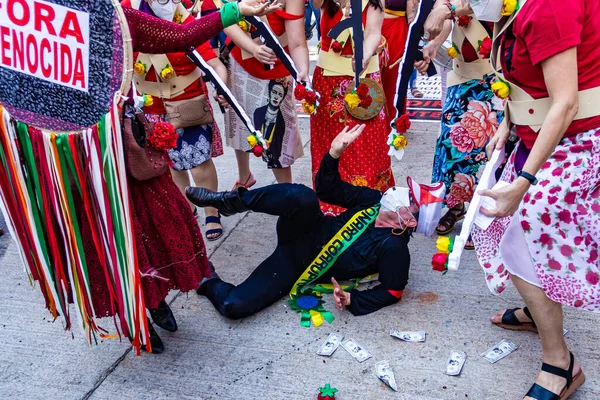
{"points": [[560, 218]]}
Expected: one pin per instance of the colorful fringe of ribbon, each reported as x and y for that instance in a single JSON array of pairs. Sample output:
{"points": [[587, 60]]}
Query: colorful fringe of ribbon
{"points": [[49, 182]]}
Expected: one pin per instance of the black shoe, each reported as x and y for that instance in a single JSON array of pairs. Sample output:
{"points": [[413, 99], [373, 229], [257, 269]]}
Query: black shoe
{"points": [[228, 203], [201, 291], [155, 341], [163, 317]]}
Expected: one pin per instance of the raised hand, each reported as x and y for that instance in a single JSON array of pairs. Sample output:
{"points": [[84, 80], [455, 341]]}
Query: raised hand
{"points": [[345, 139]]}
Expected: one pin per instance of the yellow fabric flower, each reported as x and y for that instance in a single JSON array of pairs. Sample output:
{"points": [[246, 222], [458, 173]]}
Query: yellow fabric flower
{"points": [[148, 100], [501, 89], [252, 141], [452, 52], [178, 18], [352, 100], [399, 142], [139, 68], [167, 72], [308, 108], [443, 244], [360, 181], [509, 7], [244, 25]]}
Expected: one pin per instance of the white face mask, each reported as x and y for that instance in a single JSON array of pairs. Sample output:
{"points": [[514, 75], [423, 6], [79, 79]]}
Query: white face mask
{"points": [[395, 198], [487, 10], [166, 11]]}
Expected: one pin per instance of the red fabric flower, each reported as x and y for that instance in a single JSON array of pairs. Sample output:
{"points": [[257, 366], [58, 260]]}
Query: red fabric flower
{"points": [[366, 102], [439, 262], [257, 150], [311, 97], [163, 136], [485, 47], [362, 90], [402, 123], [300, 92], [336, 47], [463, 20]]}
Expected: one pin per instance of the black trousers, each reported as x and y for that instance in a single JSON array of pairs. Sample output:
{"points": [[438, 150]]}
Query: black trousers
{"points": [[301, 233]]}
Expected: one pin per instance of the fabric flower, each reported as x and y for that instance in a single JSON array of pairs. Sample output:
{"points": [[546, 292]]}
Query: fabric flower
{"points": [[311, 97], [178, 18], [443, 244], [360, 181], [366, 102], [485, 47], [399, 142], [163, 136], [187, 4], [402, 124], [509, 7], [453, 51], [362, 90], [308, 108], [464, 20], [167, 72], [337, 47], [592, 278], [439, 262], [352, 100], [148, 100], [252, 141], [480, 121], [139, 68], [300, 92], [257, 150], [501, 89], [244, 25]]}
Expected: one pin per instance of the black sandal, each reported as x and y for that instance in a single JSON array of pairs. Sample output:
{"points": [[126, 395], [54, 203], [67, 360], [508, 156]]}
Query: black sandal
{"points": [[511, 322], [449, 220], [573, 382], [216, 232]]}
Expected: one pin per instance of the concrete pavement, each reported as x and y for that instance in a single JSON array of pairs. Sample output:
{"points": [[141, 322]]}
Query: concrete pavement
{"points": [[269, 356]]}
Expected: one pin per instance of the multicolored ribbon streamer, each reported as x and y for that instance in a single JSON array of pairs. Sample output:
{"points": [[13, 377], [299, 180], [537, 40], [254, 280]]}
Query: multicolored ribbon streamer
{"points": [[304, 299]]}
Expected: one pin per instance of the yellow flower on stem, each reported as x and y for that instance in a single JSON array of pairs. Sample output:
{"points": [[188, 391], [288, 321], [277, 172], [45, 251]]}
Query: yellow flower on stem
{"points": [[178, 18], [453, 52], [252, 141], [399, 142], [167, 72], [308, 108], [509, 7], [352, 100], [443, 244], [244, 25], [139, 68], [501, 89]]}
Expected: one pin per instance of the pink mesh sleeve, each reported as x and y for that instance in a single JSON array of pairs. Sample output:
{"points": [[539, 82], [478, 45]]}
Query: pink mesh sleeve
{"points": [[153, 35]]}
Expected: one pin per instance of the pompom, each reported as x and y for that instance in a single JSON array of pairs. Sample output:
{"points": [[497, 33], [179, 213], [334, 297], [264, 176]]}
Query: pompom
{"points": [[163, 136]]}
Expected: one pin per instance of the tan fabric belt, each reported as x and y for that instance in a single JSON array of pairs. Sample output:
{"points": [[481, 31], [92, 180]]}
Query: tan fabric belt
{"points": [[168, 89], [463, 71], [523, 110], [335, 65]]}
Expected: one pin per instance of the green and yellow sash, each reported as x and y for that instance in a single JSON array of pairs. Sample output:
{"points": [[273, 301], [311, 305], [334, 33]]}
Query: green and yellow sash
{"points": [[308, 301]]}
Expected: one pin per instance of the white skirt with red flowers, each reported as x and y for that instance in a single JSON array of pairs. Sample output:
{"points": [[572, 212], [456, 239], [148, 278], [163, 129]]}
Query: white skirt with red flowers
{"points": [[553, 240]]}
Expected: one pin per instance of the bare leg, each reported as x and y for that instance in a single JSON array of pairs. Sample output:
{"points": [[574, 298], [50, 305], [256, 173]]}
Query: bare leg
{"points": [[243, 163], [182, 180], [548, 316], [205, 175], [283, 175]]}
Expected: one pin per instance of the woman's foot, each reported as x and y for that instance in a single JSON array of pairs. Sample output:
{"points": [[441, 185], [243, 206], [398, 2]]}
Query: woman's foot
{"points": [[449, 220], [515, 319], [214, 229], [163, 317], [469, 245], [247, 183], [553, 378]]}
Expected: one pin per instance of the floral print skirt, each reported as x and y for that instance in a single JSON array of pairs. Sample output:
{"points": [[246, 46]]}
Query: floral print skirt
{"points": [[553, 240], [366, 162], [470, 118]]}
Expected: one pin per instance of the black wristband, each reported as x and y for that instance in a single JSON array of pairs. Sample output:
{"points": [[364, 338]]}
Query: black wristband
{"points": [[531, 178]]}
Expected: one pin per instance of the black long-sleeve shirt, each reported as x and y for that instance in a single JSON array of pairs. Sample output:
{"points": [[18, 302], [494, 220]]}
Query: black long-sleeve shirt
{"points": [[377, 250]]}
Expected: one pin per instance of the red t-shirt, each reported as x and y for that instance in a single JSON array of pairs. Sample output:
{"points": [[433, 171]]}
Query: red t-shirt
{"points": [[543, 29]]}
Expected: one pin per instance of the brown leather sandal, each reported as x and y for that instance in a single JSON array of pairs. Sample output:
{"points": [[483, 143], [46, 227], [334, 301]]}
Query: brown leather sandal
{"points": [[449, 220]]}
